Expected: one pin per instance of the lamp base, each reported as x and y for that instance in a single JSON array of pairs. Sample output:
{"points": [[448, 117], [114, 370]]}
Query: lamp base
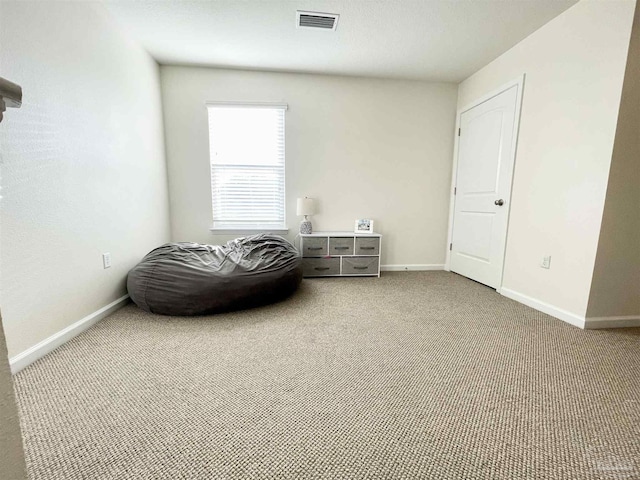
{"points": [[305, 227]]}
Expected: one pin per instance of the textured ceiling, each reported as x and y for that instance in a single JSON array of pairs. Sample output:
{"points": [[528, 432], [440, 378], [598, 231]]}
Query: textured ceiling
{"points": [[428, 40]]}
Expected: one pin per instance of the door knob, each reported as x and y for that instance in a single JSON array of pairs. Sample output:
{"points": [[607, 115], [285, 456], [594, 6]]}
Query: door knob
{"points": [[499, 202]]}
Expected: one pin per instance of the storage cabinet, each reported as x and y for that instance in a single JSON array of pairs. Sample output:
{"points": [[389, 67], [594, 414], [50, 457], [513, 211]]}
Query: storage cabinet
{"points": [[340, 254]]}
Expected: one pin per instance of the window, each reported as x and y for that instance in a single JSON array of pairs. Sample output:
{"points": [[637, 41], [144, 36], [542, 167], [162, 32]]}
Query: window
{"points": [[247, 166]]}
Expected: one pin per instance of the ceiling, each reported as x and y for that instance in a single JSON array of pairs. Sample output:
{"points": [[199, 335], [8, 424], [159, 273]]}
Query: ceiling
{"points": [[436, 40]]}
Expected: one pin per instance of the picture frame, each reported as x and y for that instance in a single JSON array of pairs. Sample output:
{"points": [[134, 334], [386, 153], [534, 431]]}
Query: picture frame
{"points": [[363, 225]]}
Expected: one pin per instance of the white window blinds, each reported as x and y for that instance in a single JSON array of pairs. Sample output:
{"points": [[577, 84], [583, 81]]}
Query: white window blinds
{"points": [[247, 166]]}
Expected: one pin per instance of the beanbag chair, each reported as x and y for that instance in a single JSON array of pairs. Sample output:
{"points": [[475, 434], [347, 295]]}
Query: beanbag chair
{"points": [[193, 279]]}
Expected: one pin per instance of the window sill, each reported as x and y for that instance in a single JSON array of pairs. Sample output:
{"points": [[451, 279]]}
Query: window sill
{"points": [[247, 231]]}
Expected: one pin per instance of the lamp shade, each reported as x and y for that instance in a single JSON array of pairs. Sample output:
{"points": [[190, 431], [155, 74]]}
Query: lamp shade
{"points": [[305, 206]]}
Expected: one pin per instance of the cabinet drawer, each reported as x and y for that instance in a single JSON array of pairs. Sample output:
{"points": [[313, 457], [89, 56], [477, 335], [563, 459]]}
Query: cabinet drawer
{"points": [[341, 246], [367, 246], [360, 265], [319, 267], [314, 246]]}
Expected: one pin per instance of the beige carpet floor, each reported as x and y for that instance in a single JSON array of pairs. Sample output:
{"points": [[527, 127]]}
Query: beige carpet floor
{"points": [[413, 375]]}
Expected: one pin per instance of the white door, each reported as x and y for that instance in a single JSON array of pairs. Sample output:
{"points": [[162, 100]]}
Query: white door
{"points": [[483, 188]]}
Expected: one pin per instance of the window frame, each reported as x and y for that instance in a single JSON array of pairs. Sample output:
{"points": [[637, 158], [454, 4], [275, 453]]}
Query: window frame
{"points": [[258, 229]]}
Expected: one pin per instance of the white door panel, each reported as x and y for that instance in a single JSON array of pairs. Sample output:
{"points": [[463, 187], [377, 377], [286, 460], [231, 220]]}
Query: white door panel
{"points": [[484, 134], [474, 238], [484, 171]]}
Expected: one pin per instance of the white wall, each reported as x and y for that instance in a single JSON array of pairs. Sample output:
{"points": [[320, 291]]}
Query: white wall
{"points": [[364, 148], [12, 464], [83, 165], [574, 68], [615, 291]]}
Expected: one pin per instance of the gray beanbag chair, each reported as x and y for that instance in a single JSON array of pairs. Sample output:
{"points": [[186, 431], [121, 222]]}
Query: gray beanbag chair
{"points": [[193, 279]]}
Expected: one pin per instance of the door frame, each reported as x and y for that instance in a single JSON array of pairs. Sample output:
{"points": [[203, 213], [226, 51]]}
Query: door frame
{"points": [[519, 82]]}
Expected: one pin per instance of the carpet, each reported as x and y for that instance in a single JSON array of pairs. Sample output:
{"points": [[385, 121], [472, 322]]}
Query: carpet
{"points": [[412, 375]]}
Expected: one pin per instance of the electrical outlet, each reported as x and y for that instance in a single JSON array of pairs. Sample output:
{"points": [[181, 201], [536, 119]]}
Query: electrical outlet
{"points": [[546, 262], [106, 260]]}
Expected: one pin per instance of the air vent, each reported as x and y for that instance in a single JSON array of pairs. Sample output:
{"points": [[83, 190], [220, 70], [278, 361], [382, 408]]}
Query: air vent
{"points": [[321, 21]]}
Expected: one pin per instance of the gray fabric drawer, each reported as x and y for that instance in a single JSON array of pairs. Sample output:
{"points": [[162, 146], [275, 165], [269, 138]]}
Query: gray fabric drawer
{"points": [[341, 246], [367, 246], [360, 265], [314, 246], [320, 267]]}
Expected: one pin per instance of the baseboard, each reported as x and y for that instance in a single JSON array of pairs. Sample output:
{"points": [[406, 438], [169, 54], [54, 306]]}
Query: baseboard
{"points": [[565, 316], [39, 350], [612, 322], [410, 268]]}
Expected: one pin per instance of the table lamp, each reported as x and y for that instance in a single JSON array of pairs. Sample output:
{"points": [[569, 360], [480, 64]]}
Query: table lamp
{"points": [[305, 206]]}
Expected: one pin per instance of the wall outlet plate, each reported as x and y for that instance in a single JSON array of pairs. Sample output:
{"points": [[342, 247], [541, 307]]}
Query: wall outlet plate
{"points": [[546, 262], [106, 260]]}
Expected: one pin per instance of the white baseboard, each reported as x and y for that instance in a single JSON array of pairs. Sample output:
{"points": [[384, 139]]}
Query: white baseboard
{"points": [[613, 322], [410, 268], [572, 318], [39, 350]]}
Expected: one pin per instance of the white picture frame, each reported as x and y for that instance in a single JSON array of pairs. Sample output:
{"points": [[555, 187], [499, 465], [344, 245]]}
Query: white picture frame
{"points": [[363, 225]]}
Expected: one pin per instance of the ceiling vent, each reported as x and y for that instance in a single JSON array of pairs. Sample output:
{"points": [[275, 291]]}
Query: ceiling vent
{"points": [[317, 20]]}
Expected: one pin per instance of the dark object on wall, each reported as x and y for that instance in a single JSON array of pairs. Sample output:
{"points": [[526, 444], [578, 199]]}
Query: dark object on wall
{"points": [[193, 279], [10, 95]]}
